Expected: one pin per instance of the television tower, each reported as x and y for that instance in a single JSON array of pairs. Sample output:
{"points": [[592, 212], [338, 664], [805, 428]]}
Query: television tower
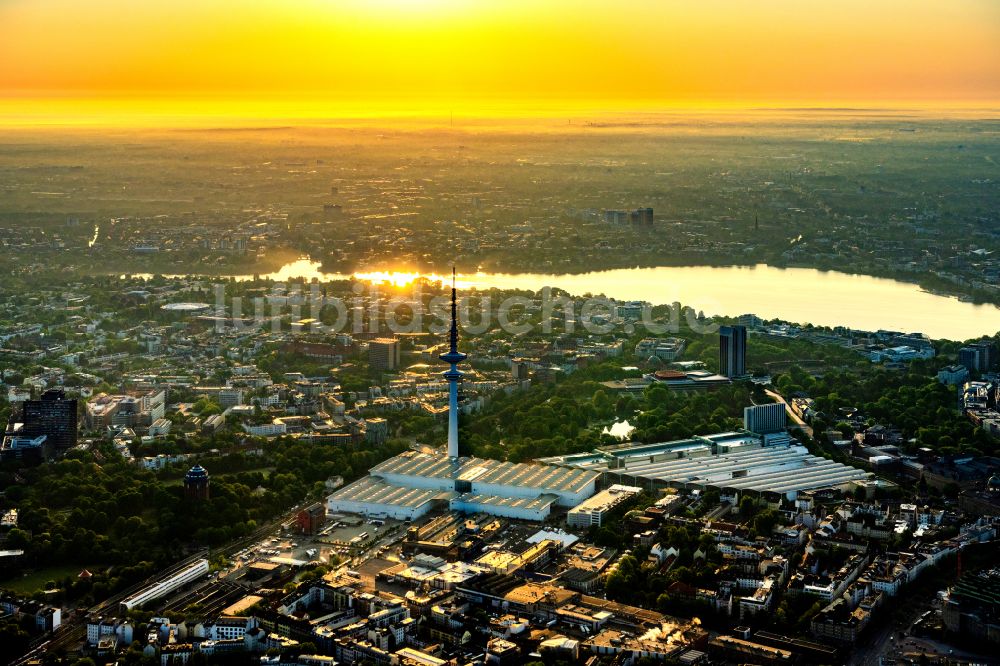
{"points": [[453, 374]]}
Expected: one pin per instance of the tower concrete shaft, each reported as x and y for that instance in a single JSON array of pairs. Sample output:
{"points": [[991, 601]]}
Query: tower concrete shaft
{"points": [[453, 374]]}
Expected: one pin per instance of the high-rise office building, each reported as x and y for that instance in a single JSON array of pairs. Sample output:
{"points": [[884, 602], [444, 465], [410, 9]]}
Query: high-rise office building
{"points": [[55, 417], [765, 419], [971, 358], [987, 355], [641, 216], [518, 369], [383, 354], [733, 351], [615, 216]]}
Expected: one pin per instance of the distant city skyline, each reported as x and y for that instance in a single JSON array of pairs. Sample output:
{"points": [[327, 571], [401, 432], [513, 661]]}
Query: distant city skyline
{"points": [[390, 57]]}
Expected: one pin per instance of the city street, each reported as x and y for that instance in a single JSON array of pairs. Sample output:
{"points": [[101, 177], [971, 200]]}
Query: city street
{"points": [[806, 428]]}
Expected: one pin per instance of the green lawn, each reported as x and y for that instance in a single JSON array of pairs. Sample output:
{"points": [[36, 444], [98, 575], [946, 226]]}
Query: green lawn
{"points": [[36, 580]]}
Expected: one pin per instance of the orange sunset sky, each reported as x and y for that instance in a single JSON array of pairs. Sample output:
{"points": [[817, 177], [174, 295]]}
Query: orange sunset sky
{"points": [[282, 56]]}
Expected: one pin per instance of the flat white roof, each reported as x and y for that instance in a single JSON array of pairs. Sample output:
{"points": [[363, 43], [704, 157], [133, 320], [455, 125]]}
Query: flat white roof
{"points": [[369, 490], [481, 470], [527, 503], [607, 499], [565, 538], [775, 468]]}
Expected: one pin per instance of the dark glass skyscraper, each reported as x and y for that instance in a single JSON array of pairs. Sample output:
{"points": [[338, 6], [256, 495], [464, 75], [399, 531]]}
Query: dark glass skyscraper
{"points": [[53, 416], [733, 351]]}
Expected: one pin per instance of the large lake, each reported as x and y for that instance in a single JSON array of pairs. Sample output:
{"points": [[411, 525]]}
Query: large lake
{"points": [[801, 295]]}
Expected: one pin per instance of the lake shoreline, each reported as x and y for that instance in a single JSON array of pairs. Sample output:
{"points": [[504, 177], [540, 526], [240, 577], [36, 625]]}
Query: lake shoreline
{"points": [[271, 267], [820, 298]]}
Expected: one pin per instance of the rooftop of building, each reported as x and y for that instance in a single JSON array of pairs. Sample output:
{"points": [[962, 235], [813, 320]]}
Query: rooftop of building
{"points": [[611, 454], [371, 490], [527, 503], [480, 470], [745, 464], [608, 498]]}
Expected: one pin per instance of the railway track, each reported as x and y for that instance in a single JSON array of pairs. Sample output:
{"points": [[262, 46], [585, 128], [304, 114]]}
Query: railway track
{"points": [[73, 632]]}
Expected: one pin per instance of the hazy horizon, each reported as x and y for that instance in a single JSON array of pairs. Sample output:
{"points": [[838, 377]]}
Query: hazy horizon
{"points": [[113, 61], [17, 112]]}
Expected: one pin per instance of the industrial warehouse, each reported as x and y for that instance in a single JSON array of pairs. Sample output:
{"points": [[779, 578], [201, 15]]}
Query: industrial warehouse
{"points": [[411, 484], [760, 458], [736, 461]]}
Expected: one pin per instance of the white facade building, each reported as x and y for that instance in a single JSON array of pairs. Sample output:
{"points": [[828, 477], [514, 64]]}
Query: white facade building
{"points": [[266, 429], [765, 419], [592, 511]]}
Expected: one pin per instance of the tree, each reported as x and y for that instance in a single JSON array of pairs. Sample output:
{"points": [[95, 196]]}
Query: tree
{"points": [[748, 507], [602, 403], [617, 586], [13, 641], [764, 522], [18, 539]]}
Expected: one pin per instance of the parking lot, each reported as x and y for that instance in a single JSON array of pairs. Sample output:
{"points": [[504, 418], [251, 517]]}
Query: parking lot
{"points": [[342, 539]]}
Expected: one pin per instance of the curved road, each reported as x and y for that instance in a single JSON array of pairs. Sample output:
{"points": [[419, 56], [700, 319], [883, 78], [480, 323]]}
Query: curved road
{"points": [[803, 426]]}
